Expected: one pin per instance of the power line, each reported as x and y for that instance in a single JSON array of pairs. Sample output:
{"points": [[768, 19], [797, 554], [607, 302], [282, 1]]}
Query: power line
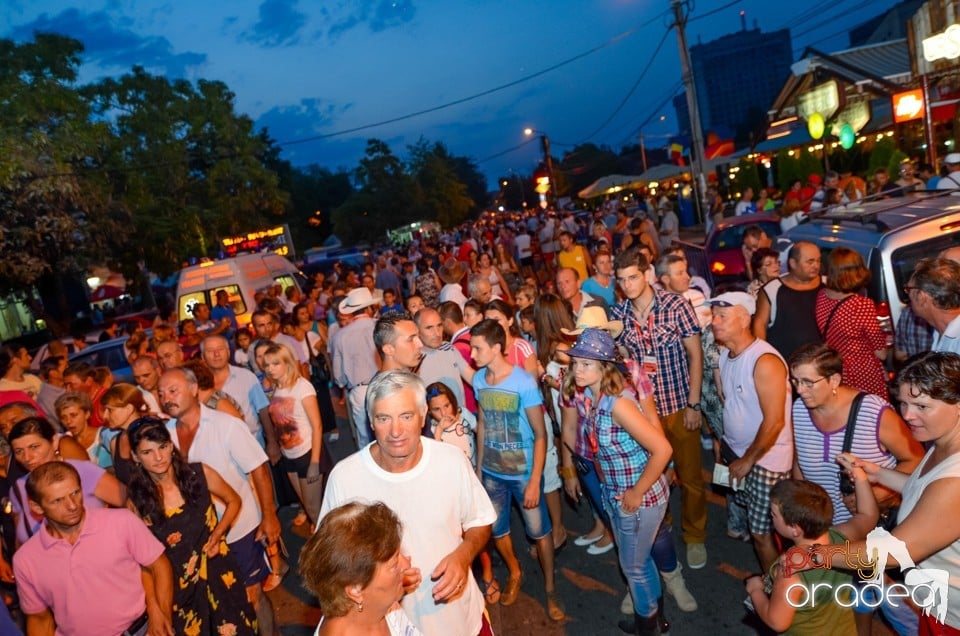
{"points": [[484, 93], [633, 88], [713, 11]]}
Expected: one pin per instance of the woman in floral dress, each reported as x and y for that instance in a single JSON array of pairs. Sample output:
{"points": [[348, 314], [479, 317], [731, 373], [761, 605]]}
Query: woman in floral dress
{"points": [[174, 500]]}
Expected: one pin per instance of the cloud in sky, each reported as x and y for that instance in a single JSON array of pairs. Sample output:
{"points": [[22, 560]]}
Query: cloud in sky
{"points": [[278, 24], [110, 44], [377, 15]]}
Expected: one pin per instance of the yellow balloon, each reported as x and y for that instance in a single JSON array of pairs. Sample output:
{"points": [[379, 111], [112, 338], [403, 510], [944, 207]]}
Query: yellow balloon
{"points": [[816, 126]]}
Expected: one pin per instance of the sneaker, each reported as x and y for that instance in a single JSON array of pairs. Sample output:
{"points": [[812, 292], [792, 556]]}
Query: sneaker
{"points": [[740, 535], [696, 555], [677, 588]]}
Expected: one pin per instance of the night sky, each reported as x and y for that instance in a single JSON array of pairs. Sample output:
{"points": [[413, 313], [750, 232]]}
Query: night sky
{"points": [[306, 69]]}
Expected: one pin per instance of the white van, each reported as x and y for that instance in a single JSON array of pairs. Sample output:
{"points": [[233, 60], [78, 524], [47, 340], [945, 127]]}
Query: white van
{"points": [[241, 277]]}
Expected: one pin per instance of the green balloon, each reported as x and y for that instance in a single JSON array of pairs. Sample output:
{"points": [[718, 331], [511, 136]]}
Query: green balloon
{"points": [[847, 136]]}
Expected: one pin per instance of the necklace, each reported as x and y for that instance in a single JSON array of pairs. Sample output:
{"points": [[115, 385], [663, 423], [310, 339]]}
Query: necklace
{"points": [[642, 313]]}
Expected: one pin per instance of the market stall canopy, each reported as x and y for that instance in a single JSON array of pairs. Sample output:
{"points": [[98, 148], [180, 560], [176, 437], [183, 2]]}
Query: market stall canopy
{"points": [[610, 184]]}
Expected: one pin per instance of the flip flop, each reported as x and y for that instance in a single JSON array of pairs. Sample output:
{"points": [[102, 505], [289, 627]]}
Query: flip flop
{"points": [[491, 591]]}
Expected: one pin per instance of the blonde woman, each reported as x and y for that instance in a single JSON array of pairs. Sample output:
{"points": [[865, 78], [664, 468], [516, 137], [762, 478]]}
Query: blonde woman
{"points": [[296, 418]]}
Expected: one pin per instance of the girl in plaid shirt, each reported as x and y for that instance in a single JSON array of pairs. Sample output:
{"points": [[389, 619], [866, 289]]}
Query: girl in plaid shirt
{"points": [[630, 455]]}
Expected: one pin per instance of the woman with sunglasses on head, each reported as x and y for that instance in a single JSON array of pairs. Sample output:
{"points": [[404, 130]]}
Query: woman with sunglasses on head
{"points": [[174, 499], [630, 455]]}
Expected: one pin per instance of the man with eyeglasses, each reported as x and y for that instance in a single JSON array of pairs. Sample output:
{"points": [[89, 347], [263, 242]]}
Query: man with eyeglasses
{"points": [[934, 292], [757, 440]]}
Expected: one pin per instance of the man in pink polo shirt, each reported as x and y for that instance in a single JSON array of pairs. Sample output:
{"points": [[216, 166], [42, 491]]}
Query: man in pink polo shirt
{"points": [[81, 558]]}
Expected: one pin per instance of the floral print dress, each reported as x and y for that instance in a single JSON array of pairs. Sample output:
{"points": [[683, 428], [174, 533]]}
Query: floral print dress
{"points": [[208, 593]]}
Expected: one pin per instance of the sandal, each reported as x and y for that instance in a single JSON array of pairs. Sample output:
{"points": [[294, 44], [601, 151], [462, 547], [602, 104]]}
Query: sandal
{"points": [[510, 593], [491, 591], [555, 607], [274, 579]]}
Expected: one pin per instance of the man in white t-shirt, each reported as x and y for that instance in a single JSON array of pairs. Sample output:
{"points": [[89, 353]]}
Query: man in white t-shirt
{"points": [[669, 226], [445, 512], [242, 385], [441, 362]]}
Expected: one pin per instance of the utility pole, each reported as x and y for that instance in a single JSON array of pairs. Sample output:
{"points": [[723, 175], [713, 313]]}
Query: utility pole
{"points": [[643, 152], [696, 130], [548, 160]]}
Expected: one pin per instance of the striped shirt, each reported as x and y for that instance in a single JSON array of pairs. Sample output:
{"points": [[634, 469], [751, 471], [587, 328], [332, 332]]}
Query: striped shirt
{"points": [[817, 451], [622, 459]]}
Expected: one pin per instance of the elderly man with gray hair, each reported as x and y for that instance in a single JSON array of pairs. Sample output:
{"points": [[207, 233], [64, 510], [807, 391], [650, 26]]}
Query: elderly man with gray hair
{"points": [[446, 513], [934, 293]]}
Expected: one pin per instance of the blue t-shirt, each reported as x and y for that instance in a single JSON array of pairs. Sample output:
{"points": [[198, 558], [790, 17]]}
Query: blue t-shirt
{"points": [[507, 434], [592, 287]]}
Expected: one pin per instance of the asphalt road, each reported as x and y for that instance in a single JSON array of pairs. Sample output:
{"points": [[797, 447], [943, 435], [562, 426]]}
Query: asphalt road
{"points": [[590, 586]]}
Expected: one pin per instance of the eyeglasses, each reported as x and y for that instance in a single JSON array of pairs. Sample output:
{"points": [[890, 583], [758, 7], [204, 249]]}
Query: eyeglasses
{"points": [[908, 288], [803, 383]]}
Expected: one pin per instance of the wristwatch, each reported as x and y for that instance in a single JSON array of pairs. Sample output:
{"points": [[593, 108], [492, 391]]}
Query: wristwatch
{"points": [[695, 407]]}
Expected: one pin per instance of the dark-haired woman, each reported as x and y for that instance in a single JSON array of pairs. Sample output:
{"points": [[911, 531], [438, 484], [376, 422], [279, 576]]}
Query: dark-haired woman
{"points": [[848, 322], [35, 443], [173, 499]]}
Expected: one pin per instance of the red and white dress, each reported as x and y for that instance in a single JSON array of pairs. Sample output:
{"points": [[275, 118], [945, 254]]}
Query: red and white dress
{"points": [[855, 332]]}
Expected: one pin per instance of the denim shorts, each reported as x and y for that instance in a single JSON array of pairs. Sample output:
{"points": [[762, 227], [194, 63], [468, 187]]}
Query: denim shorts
{"points": [[502, 493]]}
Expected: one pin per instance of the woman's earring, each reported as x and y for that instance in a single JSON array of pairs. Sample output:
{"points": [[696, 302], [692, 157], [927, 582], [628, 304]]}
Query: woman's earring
{"points": [[360, 607]]}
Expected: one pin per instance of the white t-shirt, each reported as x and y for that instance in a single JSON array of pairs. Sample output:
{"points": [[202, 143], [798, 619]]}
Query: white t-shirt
{"points": [[224, 444], [151, 401], [244, 387], [397, 623], [522, 241], [436, 501], [30, 384], [290, 421], [444, 365]]}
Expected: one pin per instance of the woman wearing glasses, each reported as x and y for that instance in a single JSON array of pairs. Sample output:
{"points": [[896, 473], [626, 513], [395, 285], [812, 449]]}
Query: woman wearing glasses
{"points": [[821, 416]]}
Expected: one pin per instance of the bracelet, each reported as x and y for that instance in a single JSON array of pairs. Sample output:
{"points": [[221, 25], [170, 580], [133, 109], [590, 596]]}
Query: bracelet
{"points": [[568, 472]]}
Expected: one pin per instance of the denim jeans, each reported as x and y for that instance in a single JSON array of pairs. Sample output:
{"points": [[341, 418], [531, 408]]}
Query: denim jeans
{"points": [[634, 535], [664, 551], [502, 493]]}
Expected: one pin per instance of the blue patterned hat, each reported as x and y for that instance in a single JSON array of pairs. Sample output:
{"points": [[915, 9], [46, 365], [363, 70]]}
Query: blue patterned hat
{"points": [[594, 344]]}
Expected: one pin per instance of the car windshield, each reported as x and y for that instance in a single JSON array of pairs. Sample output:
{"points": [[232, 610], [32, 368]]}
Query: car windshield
{"points": [[732, 237]]}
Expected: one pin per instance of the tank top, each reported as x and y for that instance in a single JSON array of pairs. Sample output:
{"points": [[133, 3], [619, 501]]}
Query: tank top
{"points": [[824, 615], [741, 409], [795, 324], [948, 558], [817, 451]]}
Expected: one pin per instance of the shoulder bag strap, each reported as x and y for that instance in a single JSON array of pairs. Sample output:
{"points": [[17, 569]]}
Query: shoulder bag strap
{"points": [[826, 325], [852, 422]]}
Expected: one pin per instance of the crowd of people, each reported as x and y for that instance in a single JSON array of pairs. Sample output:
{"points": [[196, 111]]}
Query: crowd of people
{"points": [[500, 366]]}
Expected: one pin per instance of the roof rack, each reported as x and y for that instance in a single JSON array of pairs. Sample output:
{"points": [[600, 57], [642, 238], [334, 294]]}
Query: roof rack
{"points": [[853, 212]]}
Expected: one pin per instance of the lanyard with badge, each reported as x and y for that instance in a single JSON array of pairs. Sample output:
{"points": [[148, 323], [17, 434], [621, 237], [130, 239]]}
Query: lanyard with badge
{"points": [[649, 360]]}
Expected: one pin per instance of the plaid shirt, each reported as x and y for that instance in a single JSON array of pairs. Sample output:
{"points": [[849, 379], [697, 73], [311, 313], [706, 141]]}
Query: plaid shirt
{"points": [[671, 320], [640, 389], [913, 334], [621, 459]]}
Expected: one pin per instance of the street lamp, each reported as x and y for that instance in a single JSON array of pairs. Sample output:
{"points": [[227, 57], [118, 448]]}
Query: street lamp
{"points": [[545, 145]]}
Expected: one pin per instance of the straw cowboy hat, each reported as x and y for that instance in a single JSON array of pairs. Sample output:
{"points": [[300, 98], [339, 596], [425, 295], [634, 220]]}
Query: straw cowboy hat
{"points": [[596, 318], [359, 298], [452, 271]]}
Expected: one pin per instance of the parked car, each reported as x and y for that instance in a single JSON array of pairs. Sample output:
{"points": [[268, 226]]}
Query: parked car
{"points": [[890, 234], [724, 256], [111, 354]]}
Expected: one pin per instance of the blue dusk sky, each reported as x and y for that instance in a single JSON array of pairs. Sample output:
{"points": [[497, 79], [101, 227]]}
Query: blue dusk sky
{"points": [[311, 69]]}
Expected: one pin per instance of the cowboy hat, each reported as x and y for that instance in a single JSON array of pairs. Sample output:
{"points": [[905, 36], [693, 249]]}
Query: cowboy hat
{"points": [[452, 271], [596, 318], [358, 299]]}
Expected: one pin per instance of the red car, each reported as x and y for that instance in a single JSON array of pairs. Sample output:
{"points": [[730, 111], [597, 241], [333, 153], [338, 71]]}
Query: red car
{"points": [[724, 256]]}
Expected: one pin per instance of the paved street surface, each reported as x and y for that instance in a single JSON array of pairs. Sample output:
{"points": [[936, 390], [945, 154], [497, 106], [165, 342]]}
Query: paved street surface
{"points": [[591, 586]]}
